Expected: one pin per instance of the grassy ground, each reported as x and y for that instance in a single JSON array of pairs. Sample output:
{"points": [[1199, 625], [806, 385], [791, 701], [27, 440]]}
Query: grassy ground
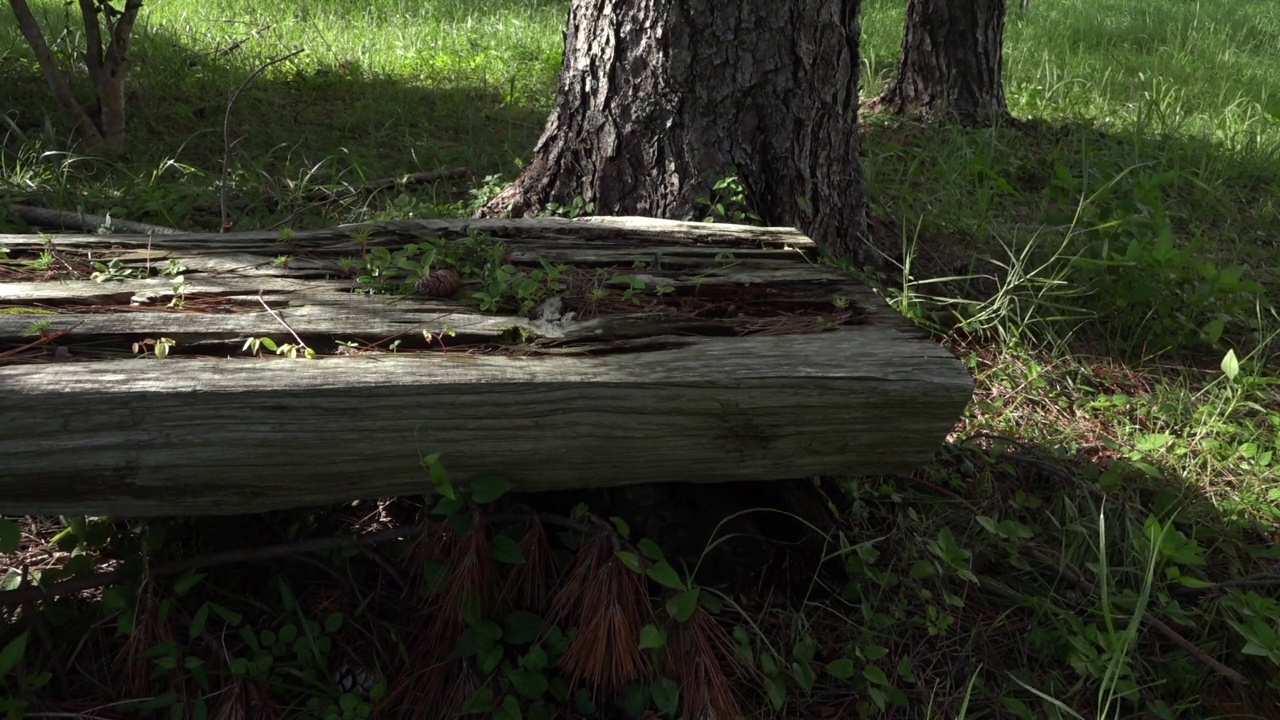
{"points": [[1100, 538]]}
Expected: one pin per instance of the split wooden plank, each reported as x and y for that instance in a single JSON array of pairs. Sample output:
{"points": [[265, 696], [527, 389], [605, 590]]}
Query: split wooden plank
{"points": [[757, 365]]}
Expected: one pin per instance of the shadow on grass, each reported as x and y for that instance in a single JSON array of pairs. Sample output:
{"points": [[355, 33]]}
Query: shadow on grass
{"points": [[972, 210], [297, 123]]}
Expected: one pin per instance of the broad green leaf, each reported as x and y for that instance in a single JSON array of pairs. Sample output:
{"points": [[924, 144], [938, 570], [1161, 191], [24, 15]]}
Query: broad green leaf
{"points": [[666, 695], [681, 606], [1150, 442], [663, 574], [522, 627], [651, 550], [652, 637], [631, 560], [183, 584], [479, 703], [12, 654], [529, 684], [505, 549], [10, 534], [842, 668], [487, 488], [1230, 365], [875, 675], [448, 506], [196, 629], [621, 526], [777, 692]]}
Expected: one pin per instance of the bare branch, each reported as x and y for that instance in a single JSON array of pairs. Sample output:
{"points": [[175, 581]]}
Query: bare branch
{"points": [[226, 126], [49, 68], [67, 220], [92, 42]]}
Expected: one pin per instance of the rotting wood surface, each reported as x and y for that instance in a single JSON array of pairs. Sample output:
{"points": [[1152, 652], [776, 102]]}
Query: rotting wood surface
{"points": [[752, 364]]}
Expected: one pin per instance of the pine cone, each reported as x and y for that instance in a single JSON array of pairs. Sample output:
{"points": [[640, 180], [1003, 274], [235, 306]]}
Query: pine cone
{"points": [[439, 283]]}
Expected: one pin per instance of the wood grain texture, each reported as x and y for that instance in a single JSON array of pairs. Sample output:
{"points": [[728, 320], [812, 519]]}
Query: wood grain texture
{"points": [[609, 400]]}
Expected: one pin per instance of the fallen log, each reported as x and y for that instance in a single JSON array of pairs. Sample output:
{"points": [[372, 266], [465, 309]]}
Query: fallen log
{"points": [[136, 376]]}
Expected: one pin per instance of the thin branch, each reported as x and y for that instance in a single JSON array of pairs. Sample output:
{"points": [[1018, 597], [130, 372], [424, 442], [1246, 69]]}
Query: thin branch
{"points": [[226, 127], [92, 42], [84, 222], [280, 320], [122, 33], [49, 67]]}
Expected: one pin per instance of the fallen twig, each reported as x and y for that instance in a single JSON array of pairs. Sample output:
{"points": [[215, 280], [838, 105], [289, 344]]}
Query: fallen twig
{"points": [[280, 320], [226, 131], [84, 222], [44, 339]]}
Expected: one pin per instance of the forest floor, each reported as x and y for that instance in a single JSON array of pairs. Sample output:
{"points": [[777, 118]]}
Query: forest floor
{"points": [[1099, 538]]}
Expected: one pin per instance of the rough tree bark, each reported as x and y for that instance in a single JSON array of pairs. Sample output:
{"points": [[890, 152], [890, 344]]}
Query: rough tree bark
{"points": [[103, 128], [659, 99], [952, 65]]}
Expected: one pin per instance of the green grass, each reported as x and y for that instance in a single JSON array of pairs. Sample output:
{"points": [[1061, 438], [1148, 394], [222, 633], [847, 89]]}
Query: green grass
{"points": [[1107, 270]]}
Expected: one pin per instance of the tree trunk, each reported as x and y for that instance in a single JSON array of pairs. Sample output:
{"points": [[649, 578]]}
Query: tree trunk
{"points": [[952, 63], [661, 99], [102, 126]]}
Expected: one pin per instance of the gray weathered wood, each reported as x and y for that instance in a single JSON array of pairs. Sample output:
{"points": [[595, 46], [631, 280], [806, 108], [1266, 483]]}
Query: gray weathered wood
{"points": [[620, 398]]}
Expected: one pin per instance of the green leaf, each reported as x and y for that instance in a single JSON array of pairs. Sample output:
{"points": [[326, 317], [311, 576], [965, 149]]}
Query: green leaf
{"points": [[522, 627], [12, 653], [621, 526], [333, 622], [10, 534], [875, 675], [480, 702], [631, 560], [196, 629], [1230, 365], [448, 506], [666, 695], [681, 606], [183, 584], [490, 659], [529, 684], [651, 550], [923, 570], [229, 616], [842, 668], [505, 549], [510, 709], [803, 673], [652, 637], [1150, 442], [487, 488], [777, 692], [583, 702], [663, 574]]}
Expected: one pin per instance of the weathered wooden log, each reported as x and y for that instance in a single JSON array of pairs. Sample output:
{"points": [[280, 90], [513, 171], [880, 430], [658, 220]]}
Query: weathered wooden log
{"points": [[732, 358]]}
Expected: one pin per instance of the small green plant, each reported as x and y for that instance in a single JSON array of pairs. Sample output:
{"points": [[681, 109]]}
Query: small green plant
{"points": [[254, 346], [574, 209], [174, 268], [115, 270], [728, 202], [47, 260], [157, 346]]}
